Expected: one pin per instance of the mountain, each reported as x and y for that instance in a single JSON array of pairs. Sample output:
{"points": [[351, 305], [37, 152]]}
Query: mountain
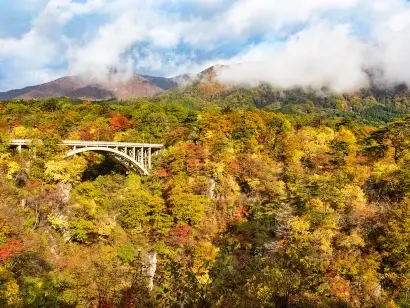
{"points": [[182, 79], [169, 83], [79, 87], [161, 82], [113, 87], [375, 104]]}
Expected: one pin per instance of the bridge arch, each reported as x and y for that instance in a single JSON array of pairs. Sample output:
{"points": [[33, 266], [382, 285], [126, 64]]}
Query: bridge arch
{"points": [[121, 157]]}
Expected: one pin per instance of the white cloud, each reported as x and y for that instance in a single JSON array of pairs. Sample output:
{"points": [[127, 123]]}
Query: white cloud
{"points": [[333, 56], [315, 42], [249, 15], [104, 52], [29, 58], [318, 56], [26, 60]]}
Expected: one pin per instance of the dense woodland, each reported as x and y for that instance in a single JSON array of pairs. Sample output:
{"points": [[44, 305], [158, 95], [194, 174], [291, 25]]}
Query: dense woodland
{"points": [[262, 198]]}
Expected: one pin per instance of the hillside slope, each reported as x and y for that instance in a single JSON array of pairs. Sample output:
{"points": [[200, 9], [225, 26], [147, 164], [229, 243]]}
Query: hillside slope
{"points": [[378, 104], [244, 208]]}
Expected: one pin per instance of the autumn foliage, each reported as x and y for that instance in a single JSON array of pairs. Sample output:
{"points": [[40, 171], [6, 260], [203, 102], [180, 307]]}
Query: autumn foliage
{"points": [[291, 206], [10, 249], [120, 123], [181, 233]]}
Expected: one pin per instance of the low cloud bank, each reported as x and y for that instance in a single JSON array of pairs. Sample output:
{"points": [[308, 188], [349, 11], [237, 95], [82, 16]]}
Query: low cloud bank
{"points": [[315, 43], [332, 56]]}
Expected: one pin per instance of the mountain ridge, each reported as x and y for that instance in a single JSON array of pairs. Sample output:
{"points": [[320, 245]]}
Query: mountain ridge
{"points": [[81, 88], [112, 87], [205, 89]]}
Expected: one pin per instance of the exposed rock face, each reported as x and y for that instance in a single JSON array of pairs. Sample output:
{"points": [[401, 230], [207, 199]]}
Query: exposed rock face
{"points": [[151, 267], [63, 191], [212, 193], [53, 243]]}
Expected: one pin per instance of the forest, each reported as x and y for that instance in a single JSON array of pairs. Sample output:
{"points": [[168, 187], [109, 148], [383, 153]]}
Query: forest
{"points": [[260, 199]]}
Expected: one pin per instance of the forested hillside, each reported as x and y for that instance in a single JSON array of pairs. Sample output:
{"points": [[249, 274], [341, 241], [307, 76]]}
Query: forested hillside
{"points": [[289, 205], [376, 104]]}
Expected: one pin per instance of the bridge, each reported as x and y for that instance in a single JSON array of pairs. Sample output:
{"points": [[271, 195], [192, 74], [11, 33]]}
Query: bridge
{"points": [[133, 156]]}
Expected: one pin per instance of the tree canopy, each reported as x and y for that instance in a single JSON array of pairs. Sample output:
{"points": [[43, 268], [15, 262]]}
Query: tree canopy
{"points": [[246, 207]]}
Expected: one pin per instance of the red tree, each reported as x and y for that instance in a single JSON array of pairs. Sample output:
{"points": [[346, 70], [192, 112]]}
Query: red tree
{"points": [[16, 123], [120, 123], [10, 249], [181, 233]]}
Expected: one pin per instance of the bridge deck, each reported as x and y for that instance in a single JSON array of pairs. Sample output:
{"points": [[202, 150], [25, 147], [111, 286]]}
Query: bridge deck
{"points": [[95, 144]]}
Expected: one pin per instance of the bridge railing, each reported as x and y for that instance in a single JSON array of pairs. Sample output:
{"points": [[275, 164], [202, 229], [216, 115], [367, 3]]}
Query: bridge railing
{"points": [[20, 141], [113, 144], [95, 143]]}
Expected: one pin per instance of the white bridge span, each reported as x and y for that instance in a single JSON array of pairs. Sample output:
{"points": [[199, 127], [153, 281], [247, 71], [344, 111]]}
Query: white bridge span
{"points": [[133, 156]]}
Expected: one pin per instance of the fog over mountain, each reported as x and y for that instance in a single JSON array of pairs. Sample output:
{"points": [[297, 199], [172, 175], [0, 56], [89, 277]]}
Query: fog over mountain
{"points": [[332, 43], [329, 56]]}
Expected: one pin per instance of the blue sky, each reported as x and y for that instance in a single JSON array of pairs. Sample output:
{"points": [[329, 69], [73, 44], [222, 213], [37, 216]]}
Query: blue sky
{"points": [[41, 40]]}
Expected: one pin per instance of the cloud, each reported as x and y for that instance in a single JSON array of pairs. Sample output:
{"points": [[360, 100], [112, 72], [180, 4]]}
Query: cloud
{"points": [[36, 56], [324, 54], [316, 57], [104, 52], [287, 43], [391, 43], [251, 15]]}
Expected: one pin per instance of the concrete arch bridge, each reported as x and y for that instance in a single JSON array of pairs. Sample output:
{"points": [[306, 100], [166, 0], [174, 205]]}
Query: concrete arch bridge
{"points": [[133, 156]]}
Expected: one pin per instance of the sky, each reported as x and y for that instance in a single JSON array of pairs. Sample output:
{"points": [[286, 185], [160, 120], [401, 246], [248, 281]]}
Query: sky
{"points": [[288, 43]]}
